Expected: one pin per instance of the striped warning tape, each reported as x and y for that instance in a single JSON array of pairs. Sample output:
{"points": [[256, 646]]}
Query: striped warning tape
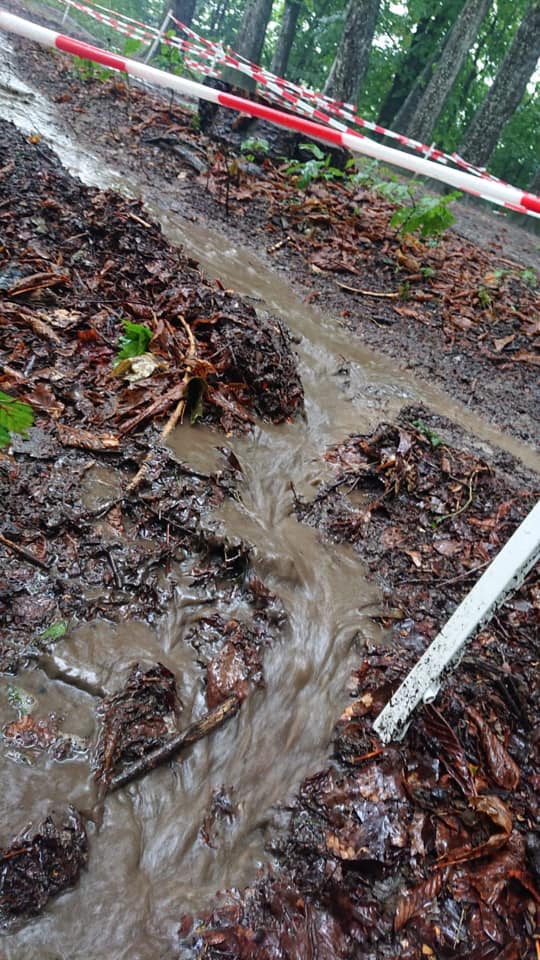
{"points": [[494, 191]]}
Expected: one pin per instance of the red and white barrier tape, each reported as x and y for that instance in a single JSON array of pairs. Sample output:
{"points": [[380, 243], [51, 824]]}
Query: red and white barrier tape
{"points": [[490, 190], [314, 105]]}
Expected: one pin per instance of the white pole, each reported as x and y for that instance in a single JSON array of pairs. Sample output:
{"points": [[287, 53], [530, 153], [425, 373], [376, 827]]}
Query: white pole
{"points": [[505, 574], [155, 43]]}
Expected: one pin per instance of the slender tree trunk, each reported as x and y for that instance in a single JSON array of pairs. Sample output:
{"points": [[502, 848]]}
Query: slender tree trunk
{"points": [[507, 90], [460, 40], [184, 10], [352, 58], [252, 31], [287, 31], [426, 41], [402, 119]]}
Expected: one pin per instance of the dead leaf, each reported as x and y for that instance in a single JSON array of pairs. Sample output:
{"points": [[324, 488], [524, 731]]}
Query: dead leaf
{"points": [[502, 768], [84, 440]]}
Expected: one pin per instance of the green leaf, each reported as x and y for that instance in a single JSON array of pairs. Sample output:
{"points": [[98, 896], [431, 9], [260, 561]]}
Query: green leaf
{"points": [[55, 632], [15, 417], [434, 438], [314, 150], [134, 342]]}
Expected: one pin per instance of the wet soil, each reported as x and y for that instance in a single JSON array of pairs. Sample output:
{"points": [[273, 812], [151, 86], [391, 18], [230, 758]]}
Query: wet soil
{"points": [[253, 564]]}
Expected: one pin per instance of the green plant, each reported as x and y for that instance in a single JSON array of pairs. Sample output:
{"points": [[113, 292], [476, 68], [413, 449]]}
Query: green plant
{"points": [[55, 632], [484, 296], [134, 340], [169, 57], [434, 438], [318, 168], [254, 148], [428, 216], [529, 277], [15, 417], [427, 272], [87, 70], [131, 47]]}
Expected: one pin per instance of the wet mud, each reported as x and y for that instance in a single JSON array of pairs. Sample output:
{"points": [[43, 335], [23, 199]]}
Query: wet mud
{"points": [[266, 562]]}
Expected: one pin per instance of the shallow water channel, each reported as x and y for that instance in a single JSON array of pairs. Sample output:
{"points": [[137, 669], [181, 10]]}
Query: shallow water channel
{"points": [[148, 863]]}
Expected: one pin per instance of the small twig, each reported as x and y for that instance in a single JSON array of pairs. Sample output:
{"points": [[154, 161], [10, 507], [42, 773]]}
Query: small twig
{"points": [[449, 580], [26, 554], [133, 216], [366, 293], [196, 731]]}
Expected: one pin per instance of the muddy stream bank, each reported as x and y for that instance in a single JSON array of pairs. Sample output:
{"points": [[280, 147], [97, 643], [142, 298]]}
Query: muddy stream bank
{"points": [[150, 862]]}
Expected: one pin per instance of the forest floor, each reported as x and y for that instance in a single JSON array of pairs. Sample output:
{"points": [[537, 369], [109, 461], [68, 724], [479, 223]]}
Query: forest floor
{"points": [[425, 848]]}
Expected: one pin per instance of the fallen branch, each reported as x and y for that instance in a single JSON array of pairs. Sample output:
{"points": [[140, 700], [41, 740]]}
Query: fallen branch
{"points": [[196, 731], [26, 554]]}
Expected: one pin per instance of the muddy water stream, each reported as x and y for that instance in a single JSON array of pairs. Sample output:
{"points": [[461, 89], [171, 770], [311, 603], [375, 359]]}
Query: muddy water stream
{"points": [[148, 863]]}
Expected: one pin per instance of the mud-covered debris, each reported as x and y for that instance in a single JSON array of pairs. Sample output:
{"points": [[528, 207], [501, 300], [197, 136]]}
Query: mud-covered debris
{"points": [[38, 864], [137, 719], [232, 651]]}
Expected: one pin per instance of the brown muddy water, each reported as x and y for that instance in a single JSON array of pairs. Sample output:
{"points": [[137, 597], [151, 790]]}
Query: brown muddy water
{"points": [[148, 863]]}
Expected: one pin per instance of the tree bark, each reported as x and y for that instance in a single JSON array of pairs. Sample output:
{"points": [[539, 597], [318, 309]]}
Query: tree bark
{"points": [[287, 31], [352, 58], [460, 40], [425, 43], [505, 94], [402, 119], [252, 31], [184, 10]]}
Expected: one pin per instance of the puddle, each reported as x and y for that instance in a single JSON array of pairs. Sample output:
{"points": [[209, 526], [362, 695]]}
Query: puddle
{"points": [[149, 864]]}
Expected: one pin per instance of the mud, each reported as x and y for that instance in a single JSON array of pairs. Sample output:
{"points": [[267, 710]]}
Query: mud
{"points": [[167, 843]]}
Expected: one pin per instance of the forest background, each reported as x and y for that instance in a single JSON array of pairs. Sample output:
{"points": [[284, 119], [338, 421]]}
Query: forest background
{"points": [[463, 74]]}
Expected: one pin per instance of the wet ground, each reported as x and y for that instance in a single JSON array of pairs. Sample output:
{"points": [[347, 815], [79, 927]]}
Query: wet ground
{"points": [[245, 570]]}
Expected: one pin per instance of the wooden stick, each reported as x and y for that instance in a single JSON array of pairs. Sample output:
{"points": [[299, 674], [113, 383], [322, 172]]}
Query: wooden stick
{"points": [[26, 554], [196, 731]]}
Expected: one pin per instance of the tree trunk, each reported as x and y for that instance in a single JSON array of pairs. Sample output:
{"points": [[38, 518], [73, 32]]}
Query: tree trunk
{"points": [[425, 43], [402, 119], [352, 58], [460, 40], [184, 10], [507, 90], [251, 33], [284, 44]]}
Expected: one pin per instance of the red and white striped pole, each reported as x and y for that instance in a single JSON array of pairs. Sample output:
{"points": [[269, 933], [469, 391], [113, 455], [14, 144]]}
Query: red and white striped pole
{"points": [[491, 190]]}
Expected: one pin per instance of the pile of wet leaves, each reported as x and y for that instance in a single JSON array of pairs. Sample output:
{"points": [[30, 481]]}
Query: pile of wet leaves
{"points": [[76, 266], [38, 865], [429, 846]]}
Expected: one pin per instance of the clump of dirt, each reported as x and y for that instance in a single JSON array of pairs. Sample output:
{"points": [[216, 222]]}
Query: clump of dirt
{"points": [[136, 719], [38, 865], [428, 846]]}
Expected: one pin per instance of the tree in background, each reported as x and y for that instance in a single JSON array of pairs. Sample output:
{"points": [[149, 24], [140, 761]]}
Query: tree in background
{"points": [[438, 88], [184, 10], [252, 30], [289, 22], [507, 90], [352, 57], [415, 63]]}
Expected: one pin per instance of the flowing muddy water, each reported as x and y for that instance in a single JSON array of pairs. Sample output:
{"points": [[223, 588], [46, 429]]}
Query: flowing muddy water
{"points": [[148, 863]]}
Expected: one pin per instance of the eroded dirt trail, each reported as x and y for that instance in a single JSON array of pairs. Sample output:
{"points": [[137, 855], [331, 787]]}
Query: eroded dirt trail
{"points": [[150, 862]]}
